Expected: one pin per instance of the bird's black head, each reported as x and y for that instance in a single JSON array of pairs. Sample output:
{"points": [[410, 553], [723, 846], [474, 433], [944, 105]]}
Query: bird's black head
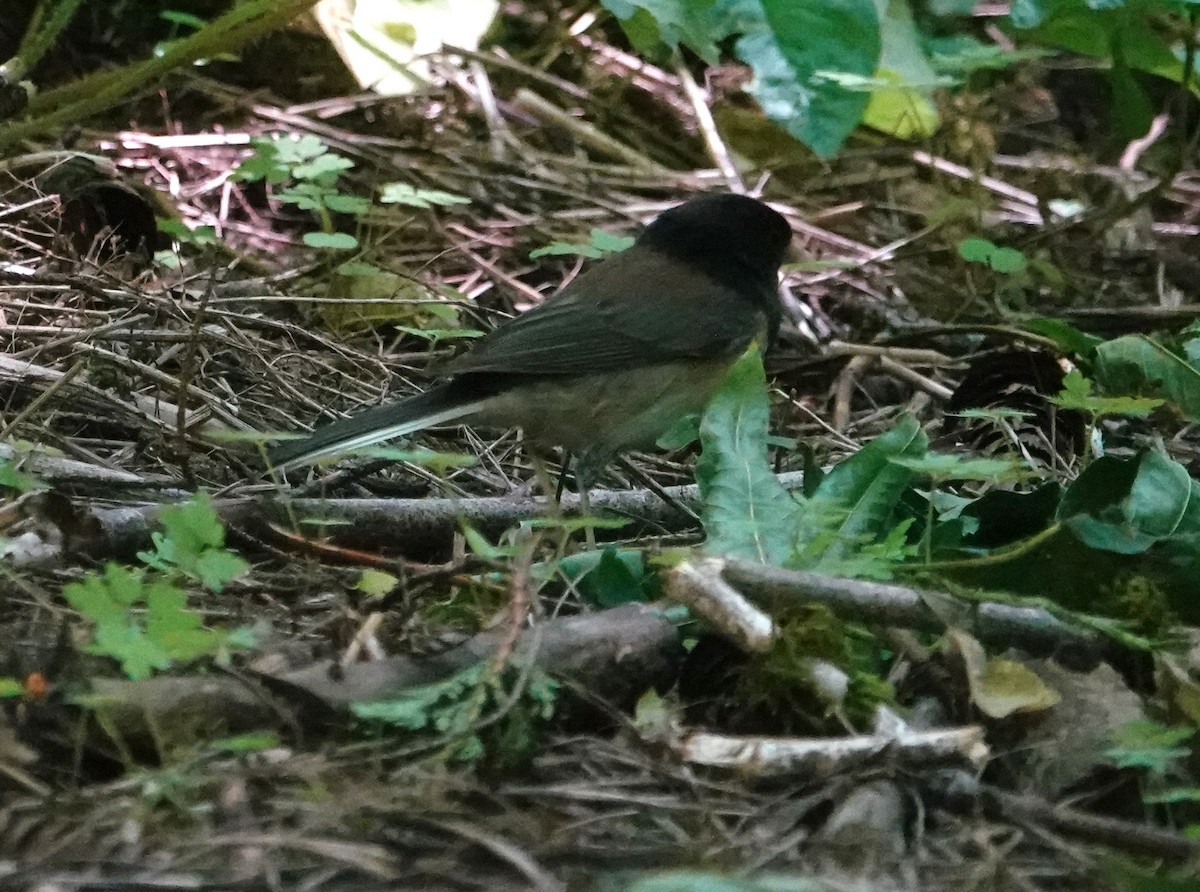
{"points": [[729, 235]]}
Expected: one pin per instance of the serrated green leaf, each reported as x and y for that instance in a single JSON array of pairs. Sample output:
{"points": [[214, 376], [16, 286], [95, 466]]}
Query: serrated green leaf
{"points": [[192, 543], [137, 654], [216, 567], [1077, 394]]}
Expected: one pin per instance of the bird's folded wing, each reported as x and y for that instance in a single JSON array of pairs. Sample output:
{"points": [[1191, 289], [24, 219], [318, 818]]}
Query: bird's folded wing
{"points": [[627, 312]]}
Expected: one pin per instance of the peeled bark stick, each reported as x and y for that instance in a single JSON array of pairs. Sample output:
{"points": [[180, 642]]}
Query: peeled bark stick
{"points": [[877, 604], [699, 585]]}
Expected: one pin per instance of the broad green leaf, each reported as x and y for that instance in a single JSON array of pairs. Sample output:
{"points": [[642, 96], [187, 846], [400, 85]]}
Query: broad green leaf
{"points": [[1127, 506], [747, 513], [869, 485], [1088, 28], [618, 577], [798, 52], [653, 24], [173, 627], [901, 104], [1136, 363], [955, 467], [1069, 338]]}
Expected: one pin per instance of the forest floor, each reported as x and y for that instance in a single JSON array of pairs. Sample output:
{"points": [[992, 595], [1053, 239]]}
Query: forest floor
{"points": [[130, 384]]}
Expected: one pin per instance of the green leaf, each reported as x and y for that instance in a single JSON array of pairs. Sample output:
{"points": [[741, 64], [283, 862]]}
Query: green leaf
{"points": [[1101, 30], [13, 478], [867, 487], [747, 513], [292, 150], [403, 193], [250, 742], [616, 577], [10, 687], [559, 249], [324, 168], [954, 467], [1136, 363], [600, 244], [264, 164], [653, 24], [375, 583], [1077, 394], [137, 654], [192, 543], [180, 231], [1148, 744], [438, 462], [1007, 261], [177, 631], [334, 241], [216, 567], [105, 599], [901, 103], [347, 204], [1127, 506], [1069, 338], [798, 51]]}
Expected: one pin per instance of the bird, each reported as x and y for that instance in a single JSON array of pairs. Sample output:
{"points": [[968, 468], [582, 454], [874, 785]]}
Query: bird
{"points": [[616, 357]]}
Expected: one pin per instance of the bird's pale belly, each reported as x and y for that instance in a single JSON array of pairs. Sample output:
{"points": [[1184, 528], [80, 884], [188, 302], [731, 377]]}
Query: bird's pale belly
{"points": [[608, 412]]}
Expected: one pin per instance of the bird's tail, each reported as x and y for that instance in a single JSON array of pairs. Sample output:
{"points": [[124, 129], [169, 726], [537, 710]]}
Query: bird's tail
{"points": [[439, 404]]}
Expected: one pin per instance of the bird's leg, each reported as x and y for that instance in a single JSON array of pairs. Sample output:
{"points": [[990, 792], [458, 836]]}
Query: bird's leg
{"points": [[589, 465], [653, 485], [554, 493]]}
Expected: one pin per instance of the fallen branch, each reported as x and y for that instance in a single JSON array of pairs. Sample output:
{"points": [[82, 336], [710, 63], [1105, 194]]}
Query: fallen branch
{"points": [[617, 654], [878, 604], [397, 523]]}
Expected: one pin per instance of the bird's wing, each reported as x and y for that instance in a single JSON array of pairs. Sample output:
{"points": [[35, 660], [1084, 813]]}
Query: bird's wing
{"points": [[634, 309]]}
